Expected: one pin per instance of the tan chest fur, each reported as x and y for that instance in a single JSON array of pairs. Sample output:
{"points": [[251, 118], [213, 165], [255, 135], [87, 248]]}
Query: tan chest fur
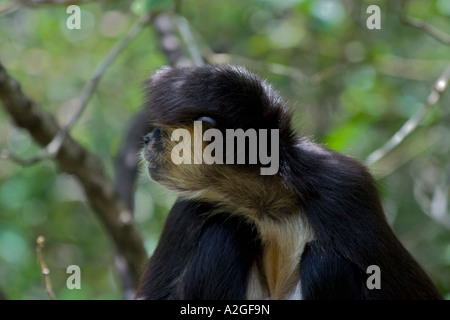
{"points": [[276, 275]]}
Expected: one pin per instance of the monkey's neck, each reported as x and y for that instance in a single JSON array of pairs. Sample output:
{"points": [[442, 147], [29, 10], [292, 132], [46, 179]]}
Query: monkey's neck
{"points": [[283, 234], [249, 195], [273, 209], [283, 243]]}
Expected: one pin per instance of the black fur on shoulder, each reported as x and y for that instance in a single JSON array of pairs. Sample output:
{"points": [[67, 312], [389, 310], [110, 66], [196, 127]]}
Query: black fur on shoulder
{"points": [[176, 246], [339, 198], [200, 258]]}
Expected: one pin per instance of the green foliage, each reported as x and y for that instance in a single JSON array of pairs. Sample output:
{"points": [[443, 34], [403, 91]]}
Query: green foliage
{"points": [[141, 6], [358, 87]]}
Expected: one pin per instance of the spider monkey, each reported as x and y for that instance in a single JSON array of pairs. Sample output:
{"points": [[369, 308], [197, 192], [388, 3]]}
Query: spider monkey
{"points": [[309, 231]]}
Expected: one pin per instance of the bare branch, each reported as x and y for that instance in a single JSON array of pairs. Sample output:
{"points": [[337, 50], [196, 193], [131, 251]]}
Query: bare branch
{"points": [[101, 68], [419, 24], [7, 155], [127, 159], [435, 205], [292, 72], [415, 69], [44, 270], [202, 49], [14, 5], [35, 3], [128, 156], [53, 147], [409, 126], [276, 68], [289, 71], [168, 41], [128, 270], [9, 8], [72, 158], [189, 41]]}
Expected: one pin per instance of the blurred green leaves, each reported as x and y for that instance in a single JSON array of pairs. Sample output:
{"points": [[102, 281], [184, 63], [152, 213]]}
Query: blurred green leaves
{"points": [[13, 246], [142, 6], [357, 88]]}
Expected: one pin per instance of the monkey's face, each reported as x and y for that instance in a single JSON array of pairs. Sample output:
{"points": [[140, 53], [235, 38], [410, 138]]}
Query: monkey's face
{"points": [[153, 152], [215, 127], [176, 158]]}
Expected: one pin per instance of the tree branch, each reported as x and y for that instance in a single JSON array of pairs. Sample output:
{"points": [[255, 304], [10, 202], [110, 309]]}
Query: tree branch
{"points": [[169, 42], [188, 39], [101, 68], [9, 8], [72, 158], [34, 3], [54, 145], [419, 24], [128, 157], [284, 70], [433, 197], [44, 270], [409, 126]]}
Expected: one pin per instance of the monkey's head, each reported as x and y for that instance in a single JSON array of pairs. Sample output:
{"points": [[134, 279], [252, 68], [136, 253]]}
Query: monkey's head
{"points": [[215, 125]]}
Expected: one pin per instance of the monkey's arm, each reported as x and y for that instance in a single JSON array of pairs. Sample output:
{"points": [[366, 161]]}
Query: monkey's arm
{"points": [[200, 257], [220, 265], [178, 238]]}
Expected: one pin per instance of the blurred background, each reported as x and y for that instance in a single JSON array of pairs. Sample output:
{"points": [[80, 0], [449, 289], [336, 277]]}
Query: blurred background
{"points": [[350, 88]]}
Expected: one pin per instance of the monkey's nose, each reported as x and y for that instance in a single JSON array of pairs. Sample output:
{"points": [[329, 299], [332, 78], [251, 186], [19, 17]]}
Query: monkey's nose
{"points": [[148, 138], [155, 134]]}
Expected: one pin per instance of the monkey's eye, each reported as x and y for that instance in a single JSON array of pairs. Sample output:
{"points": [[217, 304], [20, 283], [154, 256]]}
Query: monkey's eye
{"points": [[209, 120]]}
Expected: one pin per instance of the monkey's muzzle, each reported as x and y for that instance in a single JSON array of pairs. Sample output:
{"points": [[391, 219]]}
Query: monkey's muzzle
{"points": [[153, 150]]}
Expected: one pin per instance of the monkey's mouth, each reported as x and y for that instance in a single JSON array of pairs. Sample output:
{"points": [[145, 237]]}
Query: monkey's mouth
{"points": [[153, 170], [153, 163], [152, 166], [151, 158]]}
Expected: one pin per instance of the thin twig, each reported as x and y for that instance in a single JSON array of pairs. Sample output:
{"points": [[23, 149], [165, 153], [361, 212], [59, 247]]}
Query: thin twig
{"points": [[284, 70], [409, 126], [7, 155], [276, 68], [202, 49], [45, 271], [435, 205], [54, 146], [419, 24], [189, 41], [127, 158], [407, 68], [34, 3], [101, 68], [9, 8]]}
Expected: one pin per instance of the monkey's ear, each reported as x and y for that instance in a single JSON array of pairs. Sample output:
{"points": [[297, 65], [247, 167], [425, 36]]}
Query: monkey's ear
{"points": [[209, 120]]}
